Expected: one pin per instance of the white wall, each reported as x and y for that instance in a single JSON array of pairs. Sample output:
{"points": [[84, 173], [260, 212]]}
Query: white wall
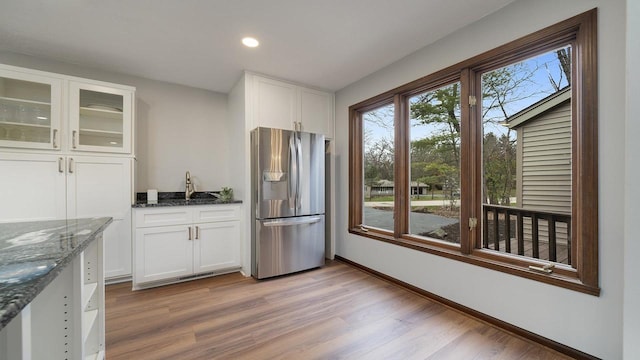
{"points": [[178, 128], [239, 168], [184, 129], [588, 323], [632, 188]]}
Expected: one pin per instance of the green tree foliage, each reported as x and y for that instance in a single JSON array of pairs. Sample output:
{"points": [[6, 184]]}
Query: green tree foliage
{"points": [[435, 158], [500, 89], [440, 151], [499, 168], [378, 162], [439, 175], [440, 108]]}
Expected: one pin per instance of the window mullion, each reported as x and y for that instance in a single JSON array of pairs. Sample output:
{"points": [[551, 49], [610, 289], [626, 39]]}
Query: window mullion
{"points": [[467, 187], [401, 168], [475, 125], [355, 169]]}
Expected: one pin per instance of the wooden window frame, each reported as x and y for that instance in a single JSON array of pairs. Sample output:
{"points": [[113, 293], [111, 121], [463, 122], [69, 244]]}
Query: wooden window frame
{"points": [[579, 31]]}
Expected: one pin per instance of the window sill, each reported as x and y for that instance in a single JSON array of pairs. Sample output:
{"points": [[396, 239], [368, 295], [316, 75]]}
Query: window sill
{"points": [[566, 277]]}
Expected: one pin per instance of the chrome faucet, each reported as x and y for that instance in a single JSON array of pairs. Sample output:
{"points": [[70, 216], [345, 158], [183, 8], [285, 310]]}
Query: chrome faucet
{"points": [[190, 188]]}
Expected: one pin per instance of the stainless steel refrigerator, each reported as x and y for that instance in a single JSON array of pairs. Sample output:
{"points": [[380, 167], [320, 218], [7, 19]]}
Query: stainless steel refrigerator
{"points": [[288, 191]]}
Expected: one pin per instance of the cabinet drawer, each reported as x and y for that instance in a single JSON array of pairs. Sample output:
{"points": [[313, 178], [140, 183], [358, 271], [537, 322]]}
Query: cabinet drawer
{"points": [[162, 217], [216, 213]]}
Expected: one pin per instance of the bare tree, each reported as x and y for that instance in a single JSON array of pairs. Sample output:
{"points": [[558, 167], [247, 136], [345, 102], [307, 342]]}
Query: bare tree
{"points": [[564, 57]]}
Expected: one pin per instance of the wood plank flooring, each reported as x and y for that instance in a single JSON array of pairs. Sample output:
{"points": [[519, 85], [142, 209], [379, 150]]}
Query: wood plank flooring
{"points": [[337, 312]]}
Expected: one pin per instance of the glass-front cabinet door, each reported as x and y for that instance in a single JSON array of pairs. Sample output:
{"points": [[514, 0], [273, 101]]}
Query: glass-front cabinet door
{"points": [[100, 118], [29, 110]]}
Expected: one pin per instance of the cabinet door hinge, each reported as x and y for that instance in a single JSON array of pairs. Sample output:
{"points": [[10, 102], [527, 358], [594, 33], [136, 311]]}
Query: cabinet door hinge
{"points": [[472, 100], [473, 223]]}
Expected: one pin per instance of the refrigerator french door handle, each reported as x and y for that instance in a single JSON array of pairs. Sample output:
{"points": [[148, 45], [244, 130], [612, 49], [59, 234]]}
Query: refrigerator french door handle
{"points": [[291, 222], [299, 175], [292, 190]]}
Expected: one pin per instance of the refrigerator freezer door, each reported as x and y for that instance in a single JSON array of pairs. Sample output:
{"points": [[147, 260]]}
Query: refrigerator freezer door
{"points": [[288, 245], [310, 199], [274, 172]]}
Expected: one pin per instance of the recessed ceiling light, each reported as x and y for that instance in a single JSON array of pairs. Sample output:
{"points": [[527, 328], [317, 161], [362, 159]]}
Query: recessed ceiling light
{"points": [[250, 42]]}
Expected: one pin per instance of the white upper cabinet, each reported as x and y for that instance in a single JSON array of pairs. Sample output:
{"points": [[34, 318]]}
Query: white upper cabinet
{"points": [[46, 111], [316, 111], [100, 118], [282, 105], [275, 103], [30, 110]]}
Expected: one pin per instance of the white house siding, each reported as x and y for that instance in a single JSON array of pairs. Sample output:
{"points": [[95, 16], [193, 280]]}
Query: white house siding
{"points": [[546, 168]]}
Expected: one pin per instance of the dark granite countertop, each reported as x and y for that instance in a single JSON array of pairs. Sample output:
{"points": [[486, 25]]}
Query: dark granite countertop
{"points": [[33, 253], [177, 199]]}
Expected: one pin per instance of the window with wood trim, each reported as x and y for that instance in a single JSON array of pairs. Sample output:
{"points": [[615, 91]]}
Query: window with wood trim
{"points": [[492, 161]]}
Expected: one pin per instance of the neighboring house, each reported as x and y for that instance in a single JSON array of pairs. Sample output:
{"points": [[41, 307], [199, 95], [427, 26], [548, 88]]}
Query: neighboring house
{"points": [[419, 188], [544, 159], [386, 187], [380, 187]]}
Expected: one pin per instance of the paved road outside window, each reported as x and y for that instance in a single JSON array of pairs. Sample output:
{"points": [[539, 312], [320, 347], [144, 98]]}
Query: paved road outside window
{"points": [[420, 223]]}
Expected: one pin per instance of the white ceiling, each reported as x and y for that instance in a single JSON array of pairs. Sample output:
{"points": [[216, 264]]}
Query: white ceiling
{"points": [[324, 43]]}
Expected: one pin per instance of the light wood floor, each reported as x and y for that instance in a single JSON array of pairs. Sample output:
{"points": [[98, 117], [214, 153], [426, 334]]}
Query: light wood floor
{"points": [[334, 312]]}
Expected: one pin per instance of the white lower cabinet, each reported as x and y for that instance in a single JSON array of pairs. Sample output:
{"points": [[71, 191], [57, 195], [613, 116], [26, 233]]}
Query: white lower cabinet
{"points": [[176, 242], [217, 246], [117, 249], [163, 252]]}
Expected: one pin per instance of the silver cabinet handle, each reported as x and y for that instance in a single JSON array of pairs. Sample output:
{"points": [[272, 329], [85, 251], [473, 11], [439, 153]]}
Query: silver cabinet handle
{"points": [[189, 232], [55, 138], [197, 232], [74, 134], [60, 165], [71, 167]]}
